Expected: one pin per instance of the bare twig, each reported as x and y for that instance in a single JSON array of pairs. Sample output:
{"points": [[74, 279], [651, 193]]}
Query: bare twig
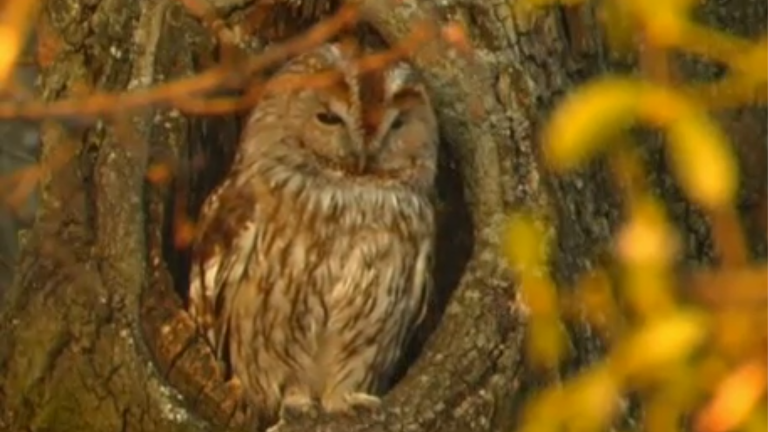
{"points": [[227, 76]]}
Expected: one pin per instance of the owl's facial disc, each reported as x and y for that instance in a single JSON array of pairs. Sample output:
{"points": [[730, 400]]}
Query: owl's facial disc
{"points": [[403, 148], [329, 119], [330, 137]]}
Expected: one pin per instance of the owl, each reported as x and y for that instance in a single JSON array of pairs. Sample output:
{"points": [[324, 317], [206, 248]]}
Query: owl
{"points": [[311, 265]]}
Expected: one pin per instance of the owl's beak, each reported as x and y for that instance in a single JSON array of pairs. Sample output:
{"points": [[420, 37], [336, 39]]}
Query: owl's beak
{"points": [[354, 162], [362, 162], [357, 159]]}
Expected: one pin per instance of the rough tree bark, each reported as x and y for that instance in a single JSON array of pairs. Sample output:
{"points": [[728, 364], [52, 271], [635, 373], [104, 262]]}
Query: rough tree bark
{"points": [[91, 336]]}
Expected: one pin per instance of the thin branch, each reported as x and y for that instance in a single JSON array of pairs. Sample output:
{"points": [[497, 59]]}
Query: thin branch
{"points": [[222, 77]]}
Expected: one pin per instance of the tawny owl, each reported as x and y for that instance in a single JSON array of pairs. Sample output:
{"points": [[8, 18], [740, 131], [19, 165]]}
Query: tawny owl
{"points": [[311, 266]]}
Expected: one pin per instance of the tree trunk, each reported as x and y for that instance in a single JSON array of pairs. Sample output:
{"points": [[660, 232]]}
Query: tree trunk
{"points": [[93, 337]]}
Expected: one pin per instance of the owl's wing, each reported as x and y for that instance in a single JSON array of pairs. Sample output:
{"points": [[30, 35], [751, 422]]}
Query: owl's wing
{"points": [[224, 244], [424, 280]]}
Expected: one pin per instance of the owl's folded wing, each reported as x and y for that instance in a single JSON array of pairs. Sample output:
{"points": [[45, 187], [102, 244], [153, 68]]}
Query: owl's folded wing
{"points": [[223, 247]]}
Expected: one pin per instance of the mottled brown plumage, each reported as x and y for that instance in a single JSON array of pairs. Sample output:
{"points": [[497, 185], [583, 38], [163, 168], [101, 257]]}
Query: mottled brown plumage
{"points": [[311, 266]]}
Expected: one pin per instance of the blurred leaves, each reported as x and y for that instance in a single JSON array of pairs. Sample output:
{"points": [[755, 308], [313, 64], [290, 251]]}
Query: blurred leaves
{"points": [[528, 251], [16, 18], [584, 403], [688, 346], [587, 117], [659, 344], [600, 110], [734, 399]]}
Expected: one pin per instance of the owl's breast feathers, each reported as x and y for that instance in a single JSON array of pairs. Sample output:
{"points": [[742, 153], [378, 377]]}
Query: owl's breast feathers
{"points": [[313, 259]]}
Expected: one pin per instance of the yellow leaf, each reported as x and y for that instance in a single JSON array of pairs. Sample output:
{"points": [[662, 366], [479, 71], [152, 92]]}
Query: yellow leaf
{"points": [[698, 149], [647, 239], [591, 400], [664, 22], [734, 399], [18, 17], [754, 63], [702, 161], [542, 412], [589, 115], [525, 243], [546, 342], [661, 342]]}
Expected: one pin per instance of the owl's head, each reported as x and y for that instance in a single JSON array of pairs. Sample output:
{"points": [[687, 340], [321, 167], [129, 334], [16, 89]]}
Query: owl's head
{"points": [[377, 128]]}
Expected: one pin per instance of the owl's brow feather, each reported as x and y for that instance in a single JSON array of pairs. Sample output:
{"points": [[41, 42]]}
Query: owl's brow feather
{"points": [[325, 80], [402, 100], [371, 119], [372, 88], [340, 91], [373, 100], [407, 98]]}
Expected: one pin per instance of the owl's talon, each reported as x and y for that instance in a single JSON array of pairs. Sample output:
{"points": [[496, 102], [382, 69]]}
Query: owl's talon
{"points": [[363, 401], [234, 387], [351, 402], [295, 406], [276, 427], [234, 400]]}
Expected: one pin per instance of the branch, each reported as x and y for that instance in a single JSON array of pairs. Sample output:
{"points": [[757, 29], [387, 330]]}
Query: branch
{"points": [[175, 93]]}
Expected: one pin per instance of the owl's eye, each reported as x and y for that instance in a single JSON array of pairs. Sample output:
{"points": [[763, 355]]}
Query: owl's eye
{"points": [[329, 118], [397, 123]]}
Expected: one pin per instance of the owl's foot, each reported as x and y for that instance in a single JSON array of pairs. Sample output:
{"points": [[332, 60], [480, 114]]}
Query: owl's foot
{"points": [[234, 387], [351, 402], [234, 401], [276, 427], [297, 405]]}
